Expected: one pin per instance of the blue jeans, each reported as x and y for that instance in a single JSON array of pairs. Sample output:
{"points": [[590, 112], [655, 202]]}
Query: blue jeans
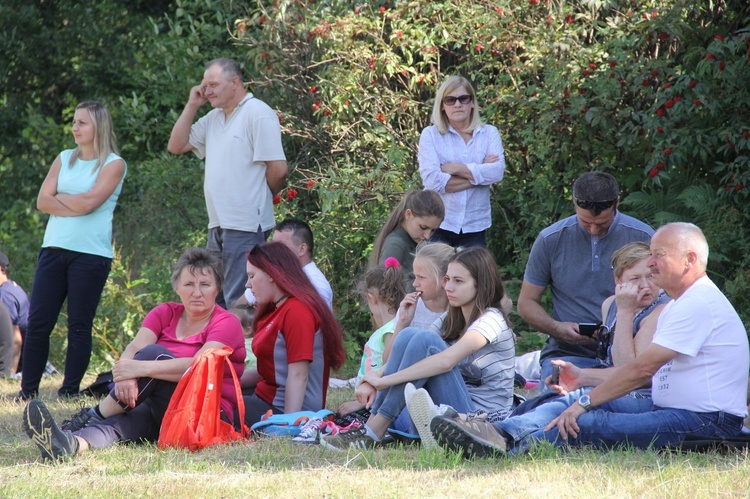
{"points": [[629, 421], [410, 346], [522, 427], [582, 362], [232, 247], [460, 240], [61, 274]]}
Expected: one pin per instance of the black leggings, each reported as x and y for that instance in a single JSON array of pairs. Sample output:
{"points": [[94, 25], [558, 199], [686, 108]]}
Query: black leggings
{"points": [[142, 422]]}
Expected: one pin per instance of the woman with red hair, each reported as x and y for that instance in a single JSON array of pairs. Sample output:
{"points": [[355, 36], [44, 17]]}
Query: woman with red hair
{"points": [[297, 340]]}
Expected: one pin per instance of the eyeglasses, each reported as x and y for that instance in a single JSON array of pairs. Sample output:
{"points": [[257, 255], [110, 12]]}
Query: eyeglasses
{"points": [[594, 205], [463, 99]]}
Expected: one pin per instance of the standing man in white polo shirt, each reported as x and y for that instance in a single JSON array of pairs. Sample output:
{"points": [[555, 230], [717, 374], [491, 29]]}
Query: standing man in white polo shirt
{"points": [[240, 140]]}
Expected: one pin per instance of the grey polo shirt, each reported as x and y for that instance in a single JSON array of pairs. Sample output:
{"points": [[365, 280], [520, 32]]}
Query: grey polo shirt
{"points": [[578, 268]]}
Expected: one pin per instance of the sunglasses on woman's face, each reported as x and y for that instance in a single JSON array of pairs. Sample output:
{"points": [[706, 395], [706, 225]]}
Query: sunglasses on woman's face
{"points": [[463, 99]]}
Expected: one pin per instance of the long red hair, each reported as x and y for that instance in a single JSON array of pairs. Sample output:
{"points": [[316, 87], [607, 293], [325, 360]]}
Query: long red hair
{"points": [[283, 266]]}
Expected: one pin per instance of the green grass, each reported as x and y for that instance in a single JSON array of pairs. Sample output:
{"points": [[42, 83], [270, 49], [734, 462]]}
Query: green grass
{"points": [[277, 468]]}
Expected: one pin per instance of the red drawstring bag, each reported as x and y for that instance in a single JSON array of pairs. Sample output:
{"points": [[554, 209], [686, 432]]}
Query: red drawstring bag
{"points": [[192, 420]]}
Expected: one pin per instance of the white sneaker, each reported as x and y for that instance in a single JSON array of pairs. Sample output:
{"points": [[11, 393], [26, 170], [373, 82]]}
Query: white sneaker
{"points": [[409, 390], [422, 410]]}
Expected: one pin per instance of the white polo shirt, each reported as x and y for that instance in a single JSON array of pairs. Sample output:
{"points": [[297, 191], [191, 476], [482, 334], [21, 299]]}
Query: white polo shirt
{"points": [[237, 194]]}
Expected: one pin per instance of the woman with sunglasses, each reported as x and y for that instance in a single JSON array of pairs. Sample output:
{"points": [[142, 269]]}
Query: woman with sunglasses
{"points": [[459, 158], [297, 340]]}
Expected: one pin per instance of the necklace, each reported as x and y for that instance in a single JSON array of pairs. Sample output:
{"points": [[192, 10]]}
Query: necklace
{"points": [[280, 301]]}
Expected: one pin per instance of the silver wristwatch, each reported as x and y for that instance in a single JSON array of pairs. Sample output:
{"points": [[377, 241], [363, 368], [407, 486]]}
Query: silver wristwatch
{"points": [[585, 402]]}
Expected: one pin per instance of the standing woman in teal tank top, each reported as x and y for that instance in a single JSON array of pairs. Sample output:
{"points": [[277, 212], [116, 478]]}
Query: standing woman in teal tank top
{"points": [[80, 194]]}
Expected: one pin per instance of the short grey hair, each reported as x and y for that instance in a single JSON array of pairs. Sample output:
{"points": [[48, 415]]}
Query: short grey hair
{"points": [[229, 67], [198, 259], [689, 237]]}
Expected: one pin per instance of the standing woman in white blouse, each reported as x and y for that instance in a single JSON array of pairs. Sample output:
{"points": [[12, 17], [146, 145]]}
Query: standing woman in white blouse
{"points": [[459, 158]]}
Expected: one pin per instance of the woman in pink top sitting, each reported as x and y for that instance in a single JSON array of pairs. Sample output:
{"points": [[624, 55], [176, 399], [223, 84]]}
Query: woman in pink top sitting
{"points": [[147, 373]]}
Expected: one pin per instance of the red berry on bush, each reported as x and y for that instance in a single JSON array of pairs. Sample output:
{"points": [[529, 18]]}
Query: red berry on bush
{"points": [[746, 134], [381, 117], [623, 83], [310, 184], [645, 82], [291, 194], [722, 66], [669, 104], [612, 64], [739, 187], [692, 84], [586, 72], [653, 172], [655, 73], [327, 112], [592, 65], [667, 152], [660, 112], [710, 57], [660, 165], [569, 19], [666, 86], [381, 9], [697, 102], [719, 38], [276, 199], [659, 129]]}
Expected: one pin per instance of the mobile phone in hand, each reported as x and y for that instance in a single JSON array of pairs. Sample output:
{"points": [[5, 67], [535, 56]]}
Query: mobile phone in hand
{"points": [[555, 375], [588, 329]]}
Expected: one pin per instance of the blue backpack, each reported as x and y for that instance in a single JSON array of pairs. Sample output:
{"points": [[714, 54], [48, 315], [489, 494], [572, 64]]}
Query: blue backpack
{"points": [[288, 425]]}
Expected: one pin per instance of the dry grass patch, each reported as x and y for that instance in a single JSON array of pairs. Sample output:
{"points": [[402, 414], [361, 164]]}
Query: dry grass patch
{"points": [[278, 468]]}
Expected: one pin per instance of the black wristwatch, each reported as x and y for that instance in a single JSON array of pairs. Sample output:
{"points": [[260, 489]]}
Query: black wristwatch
{"points": [[585, 402]]}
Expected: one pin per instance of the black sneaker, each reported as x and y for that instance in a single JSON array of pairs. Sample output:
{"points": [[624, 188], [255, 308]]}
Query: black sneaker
{"points": [[81, 419], [474, 438], [41, 428], [22, 397]]}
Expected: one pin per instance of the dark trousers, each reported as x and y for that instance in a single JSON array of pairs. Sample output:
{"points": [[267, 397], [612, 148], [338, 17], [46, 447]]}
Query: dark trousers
{"points": [[61, 274], [256, 408], [142, 422], [460, 240]]}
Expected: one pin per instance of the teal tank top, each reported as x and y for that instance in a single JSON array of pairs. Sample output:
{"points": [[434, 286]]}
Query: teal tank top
{"points": [[90, 233]]}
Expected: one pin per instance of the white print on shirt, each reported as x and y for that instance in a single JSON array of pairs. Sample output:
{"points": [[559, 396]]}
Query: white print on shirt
{"points": [[660, 380]]}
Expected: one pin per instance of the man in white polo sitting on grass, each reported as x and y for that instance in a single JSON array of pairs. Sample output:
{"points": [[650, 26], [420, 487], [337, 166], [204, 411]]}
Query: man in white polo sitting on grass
{"points": [[697, 363]]}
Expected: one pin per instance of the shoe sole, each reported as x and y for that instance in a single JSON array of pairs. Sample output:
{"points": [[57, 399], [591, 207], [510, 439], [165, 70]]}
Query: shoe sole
{"points": [[452, 436], [36, 423], [421, 411]]}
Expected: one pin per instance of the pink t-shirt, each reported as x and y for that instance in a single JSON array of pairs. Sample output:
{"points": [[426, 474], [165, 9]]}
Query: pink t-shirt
{"points": [[223, 327]]}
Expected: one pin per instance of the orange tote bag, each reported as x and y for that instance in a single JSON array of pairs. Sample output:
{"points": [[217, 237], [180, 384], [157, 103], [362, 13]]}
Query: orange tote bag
{"points": [[192, 420]]}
